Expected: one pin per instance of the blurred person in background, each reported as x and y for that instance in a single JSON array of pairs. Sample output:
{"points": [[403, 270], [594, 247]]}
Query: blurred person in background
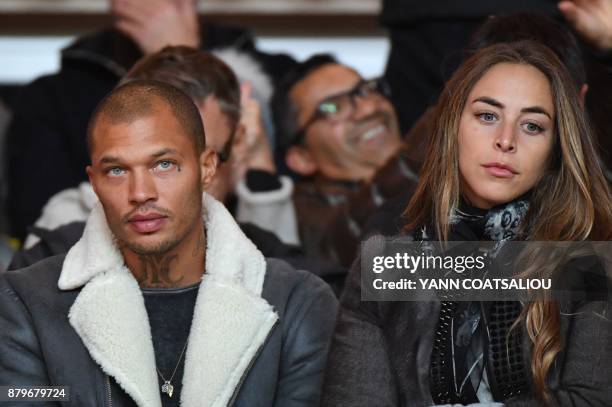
{"points": [[6, 251], [335, 236], [46, 139], [230, 116], [339, 134], [428, 39]]}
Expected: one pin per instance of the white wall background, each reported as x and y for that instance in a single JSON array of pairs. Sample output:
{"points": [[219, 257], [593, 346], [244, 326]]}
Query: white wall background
{"points": [[25, 58]]}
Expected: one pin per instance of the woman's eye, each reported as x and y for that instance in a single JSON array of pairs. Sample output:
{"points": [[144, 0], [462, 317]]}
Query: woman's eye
{"points": [[164, 165], [487, 117], [115, 172], [532, 128]]}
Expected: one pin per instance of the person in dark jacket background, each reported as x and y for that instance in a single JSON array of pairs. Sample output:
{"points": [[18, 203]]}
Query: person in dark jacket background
{"points": [[163, 299], [428, 39], [46, 138]]}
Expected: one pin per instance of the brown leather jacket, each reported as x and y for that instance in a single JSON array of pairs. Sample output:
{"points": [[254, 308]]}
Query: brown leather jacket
{"points": [[332, 214]]}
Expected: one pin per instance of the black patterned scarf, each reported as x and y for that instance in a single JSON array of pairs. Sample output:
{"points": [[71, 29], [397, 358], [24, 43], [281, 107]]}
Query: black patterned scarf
{"points": [[466, 341]]}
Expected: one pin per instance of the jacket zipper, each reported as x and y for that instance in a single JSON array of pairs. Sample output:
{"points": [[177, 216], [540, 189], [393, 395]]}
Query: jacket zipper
{"points": [[250, 366], [108, 392]]}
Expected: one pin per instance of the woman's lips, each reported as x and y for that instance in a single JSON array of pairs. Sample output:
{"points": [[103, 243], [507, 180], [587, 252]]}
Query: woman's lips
{"points": [[500, 170], [146, 226]]}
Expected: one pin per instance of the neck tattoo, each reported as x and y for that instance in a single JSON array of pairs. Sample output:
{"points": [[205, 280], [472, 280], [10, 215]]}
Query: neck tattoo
{"points": [[155, 271]]}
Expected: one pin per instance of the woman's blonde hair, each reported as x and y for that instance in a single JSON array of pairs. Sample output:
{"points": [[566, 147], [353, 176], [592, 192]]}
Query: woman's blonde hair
{"points": [[571, 202]]}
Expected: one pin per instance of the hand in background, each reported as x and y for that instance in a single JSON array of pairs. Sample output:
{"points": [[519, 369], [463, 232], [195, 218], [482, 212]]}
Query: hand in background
{"points": [[154, 24], [258, 151], [592, 19]]}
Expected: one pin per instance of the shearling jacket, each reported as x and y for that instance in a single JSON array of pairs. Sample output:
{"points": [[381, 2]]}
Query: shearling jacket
{"points": [[259, 335]]}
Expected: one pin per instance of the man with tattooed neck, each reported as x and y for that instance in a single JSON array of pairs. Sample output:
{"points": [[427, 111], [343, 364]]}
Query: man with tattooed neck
{"points": [[163, 300]]}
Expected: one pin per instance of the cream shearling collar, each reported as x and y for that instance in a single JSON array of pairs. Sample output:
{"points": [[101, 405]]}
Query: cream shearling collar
{"points": [[231, 320]]}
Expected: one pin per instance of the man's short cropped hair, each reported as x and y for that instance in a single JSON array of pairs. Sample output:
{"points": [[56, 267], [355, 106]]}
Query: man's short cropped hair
{"points": [[138, 99]]}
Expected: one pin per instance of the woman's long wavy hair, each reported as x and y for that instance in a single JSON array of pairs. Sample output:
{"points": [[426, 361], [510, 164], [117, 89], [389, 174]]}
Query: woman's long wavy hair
{"points": [[571, 202]]}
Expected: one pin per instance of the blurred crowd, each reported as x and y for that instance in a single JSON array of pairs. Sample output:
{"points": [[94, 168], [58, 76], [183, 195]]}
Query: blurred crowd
{"points": [[312, 159], [309, 151], [326, 150]]}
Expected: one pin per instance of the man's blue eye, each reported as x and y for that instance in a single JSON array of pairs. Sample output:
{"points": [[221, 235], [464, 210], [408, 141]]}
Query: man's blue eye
{"points": [[164, 165], [115, 172]]}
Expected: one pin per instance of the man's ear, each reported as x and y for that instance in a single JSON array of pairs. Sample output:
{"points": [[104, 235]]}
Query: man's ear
{"points": [[239, 135], [90, 174], [239, 148], [208, 165], [300, 160], [583, 92]]}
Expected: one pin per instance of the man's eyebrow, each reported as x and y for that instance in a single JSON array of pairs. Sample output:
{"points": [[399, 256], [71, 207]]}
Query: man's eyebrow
{"points": [[110, 159], [536, 109], [489, 101], [165, 151], [342, 93]]}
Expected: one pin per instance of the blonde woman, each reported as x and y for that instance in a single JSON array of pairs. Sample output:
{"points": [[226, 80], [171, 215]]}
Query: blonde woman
{"points": [[511, 158]]}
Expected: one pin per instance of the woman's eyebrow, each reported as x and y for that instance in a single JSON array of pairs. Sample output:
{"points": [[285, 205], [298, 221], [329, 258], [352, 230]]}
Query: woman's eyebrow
{"points": [[496, 103], [490, 101], [536, 109]]}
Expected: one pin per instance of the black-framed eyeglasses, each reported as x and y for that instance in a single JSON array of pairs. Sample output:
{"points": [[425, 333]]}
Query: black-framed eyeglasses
{"points": [[341, 106]]}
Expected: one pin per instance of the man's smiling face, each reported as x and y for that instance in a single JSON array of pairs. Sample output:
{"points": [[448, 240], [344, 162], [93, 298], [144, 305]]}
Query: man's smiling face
{"points": [[356, 146]]}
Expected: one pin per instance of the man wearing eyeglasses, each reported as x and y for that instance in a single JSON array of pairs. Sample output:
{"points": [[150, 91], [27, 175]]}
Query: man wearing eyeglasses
{"points": [[340, 134]]}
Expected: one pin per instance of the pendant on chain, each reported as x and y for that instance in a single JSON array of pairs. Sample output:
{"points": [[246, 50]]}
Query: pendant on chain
{"points": [[167, 388]]}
